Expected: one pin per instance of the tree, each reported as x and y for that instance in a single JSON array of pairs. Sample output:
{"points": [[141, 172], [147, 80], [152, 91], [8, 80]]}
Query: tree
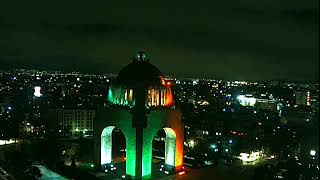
{"points": [[4, 130], [294, 170]]}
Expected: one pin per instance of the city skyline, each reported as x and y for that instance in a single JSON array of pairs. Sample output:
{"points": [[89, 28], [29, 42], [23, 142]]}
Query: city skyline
{"points": [[85, 126], [245, 40], [167, 76], [108, 89]]}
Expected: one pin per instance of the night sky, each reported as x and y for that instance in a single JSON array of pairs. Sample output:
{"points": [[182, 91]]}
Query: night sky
{"points": [[229, 39]]}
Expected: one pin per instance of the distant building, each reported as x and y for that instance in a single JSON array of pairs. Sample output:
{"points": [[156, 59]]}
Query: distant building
{"points": [[202, 133], [78, 121], [246, 100], [72, 122], [219, 126], [303, 98], [315, 102], [296, 118], [55, 119], [267, 103], [4, 101]]}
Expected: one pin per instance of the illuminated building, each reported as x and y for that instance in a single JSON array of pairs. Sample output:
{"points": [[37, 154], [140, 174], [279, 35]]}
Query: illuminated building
{"points": [[253, 156], [267, 103], [37, 91], [308, 99], [72, 121], [78, 121], [140, 103], [246, 100], [303, 98], [312, 152], [4, 142]]}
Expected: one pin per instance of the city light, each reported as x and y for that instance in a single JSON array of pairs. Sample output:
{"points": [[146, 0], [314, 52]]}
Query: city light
{"points": [[245, 100], [194, 82], [37, 91], [191, 143], [3, 142], [253, 156], [143, 130], [312, 152]]}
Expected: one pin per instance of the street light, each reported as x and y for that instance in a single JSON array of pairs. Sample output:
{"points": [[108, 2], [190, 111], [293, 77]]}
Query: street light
{"points": [[191, 143], [213, 146]]}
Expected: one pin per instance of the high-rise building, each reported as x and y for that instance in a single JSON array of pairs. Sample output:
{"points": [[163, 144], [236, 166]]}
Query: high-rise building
{"points": [[303, 98], [78, 121], [72, 121], [55, 119]]}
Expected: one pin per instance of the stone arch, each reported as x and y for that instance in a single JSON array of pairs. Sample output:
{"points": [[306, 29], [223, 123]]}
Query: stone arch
{"points": [[122, 119], [170, 146], [106, 145]]}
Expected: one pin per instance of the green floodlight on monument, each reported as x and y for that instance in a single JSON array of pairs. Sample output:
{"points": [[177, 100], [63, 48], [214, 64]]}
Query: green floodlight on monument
{"points": [[140, 102]]}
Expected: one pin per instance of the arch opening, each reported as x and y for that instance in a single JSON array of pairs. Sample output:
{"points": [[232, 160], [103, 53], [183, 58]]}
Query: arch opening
{"points": [[164, 150], [106, 145], [170, 147], [113, 146]]}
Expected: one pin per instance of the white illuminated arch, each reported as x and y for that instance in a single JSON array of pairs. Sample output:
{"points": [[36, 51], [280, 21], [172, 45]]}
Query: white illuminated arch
{"points": [[170, 146], [106, 145]]}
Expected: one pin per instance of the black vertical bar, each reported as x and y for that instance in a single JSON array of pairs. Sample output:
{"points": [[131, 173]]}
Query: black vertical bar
{"points": [[139, 139]]}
